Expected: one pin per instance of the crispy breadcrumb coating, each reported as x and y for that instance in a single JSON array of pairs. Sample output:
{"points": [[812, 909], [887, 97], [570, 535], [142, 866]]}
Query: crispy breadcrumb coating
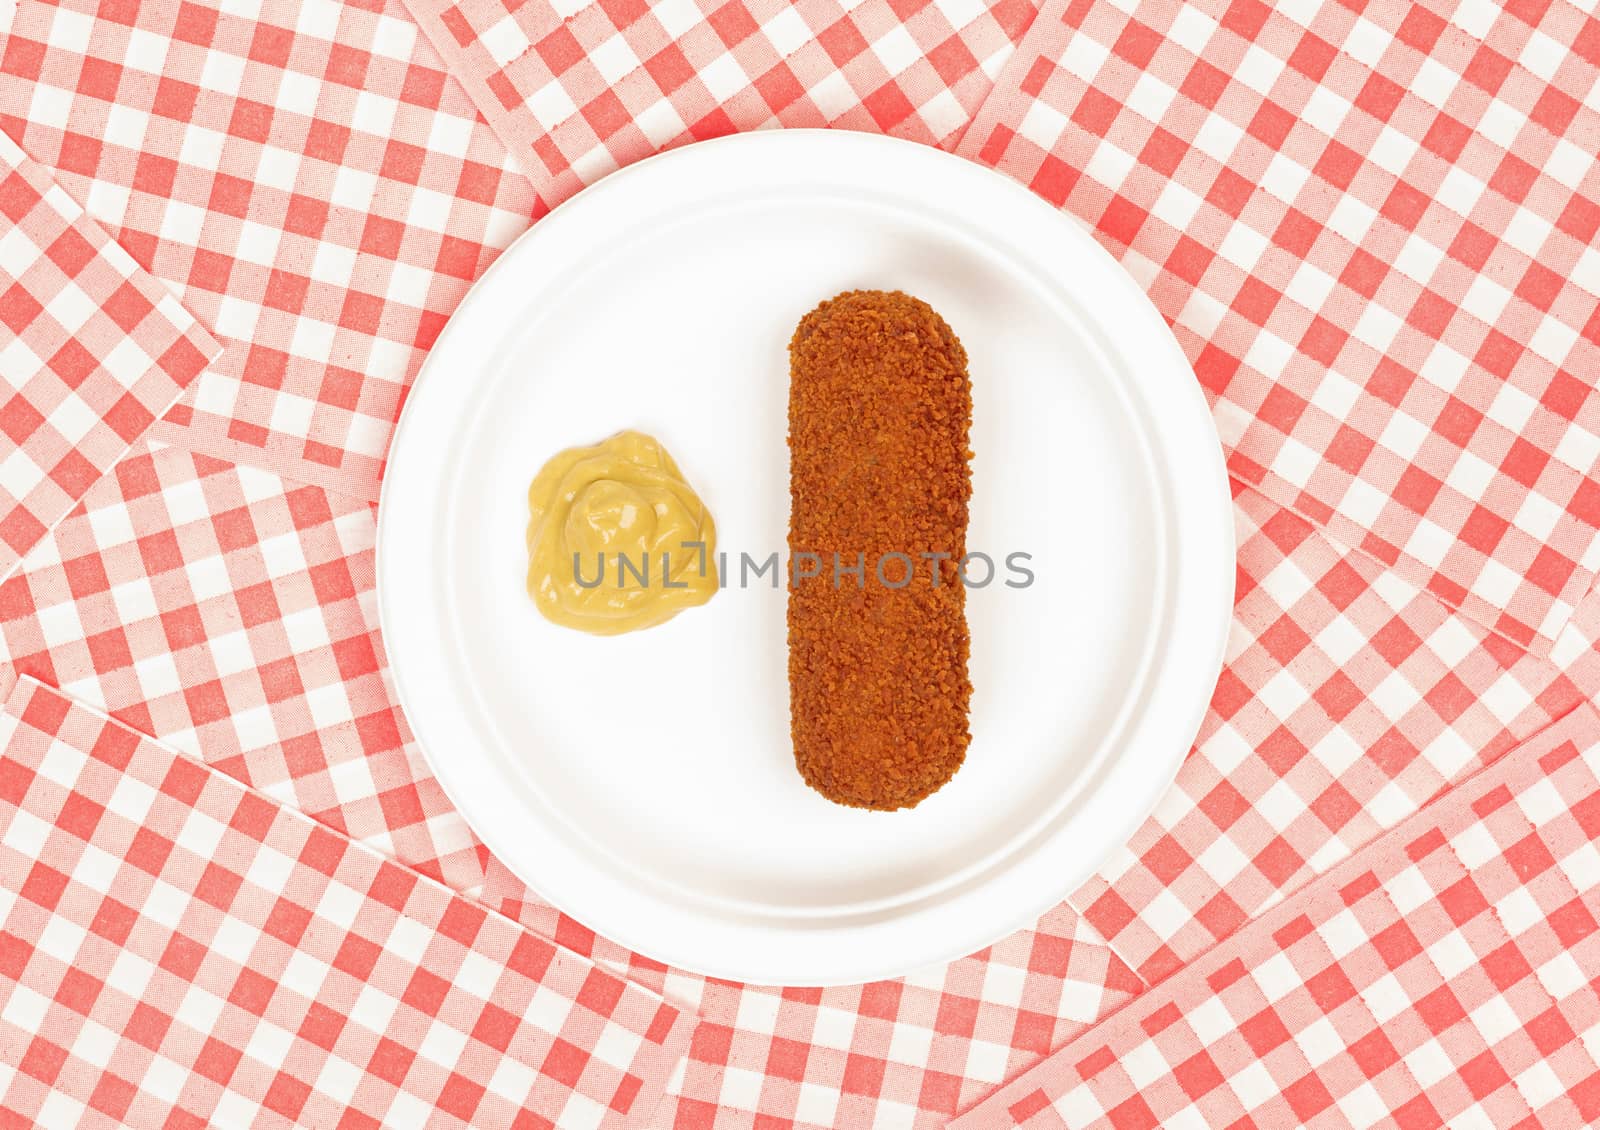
{"points": [[880, 411]]}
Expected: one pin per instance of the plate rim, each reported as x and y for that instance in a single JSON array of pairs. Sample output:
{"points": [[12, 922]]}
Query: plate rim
{"points": [[423, 712]]}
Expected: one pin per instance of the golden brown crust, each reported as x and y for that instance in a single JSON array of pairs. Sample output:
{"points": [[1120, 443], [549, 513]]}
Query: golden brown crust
{"points": [[880, 410]]}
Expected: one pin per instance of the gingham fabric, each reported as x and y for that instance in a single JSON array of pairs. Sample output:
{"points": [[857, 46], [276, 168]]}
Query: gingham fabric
{"points": [[181, 951], [1577, 649], [1348, 698], [303, 174], [228, 609], [245, 632], [1371, 225], [577, 90], [228, 612], [1446, 976], [92, 350], [909, 1052], [904, 1053]]}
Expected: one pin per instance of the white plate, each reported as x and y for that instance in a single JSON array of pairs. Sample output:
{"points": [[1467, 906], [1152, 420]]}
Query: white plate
{"points": [[645, 783]]}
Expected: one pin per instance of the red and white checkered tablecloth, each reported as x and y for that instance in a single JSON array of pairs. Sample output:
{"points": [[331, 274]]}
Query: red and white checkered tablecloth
{"points": [[257, 593], [228, 612], [1348, 698], [177, 950], [1118, 120], [1368, 223], [1373, 231], [909, 1052], [305, 176], [92, 351], [1448, 975], [244, 632], [576, 91]]}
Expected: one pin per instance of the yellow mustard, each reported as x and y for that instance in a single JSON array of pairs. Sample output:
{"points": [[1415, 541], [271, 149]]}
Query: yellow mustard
{"points": [[617, 540]]}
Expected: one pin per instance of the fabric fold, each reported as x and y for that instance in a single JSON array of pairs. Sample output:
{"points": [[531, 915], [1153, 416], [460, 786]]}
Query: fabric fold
{"points": [[92, 351], [304, 175], [576, 91], [179, 947], [1372, 233], [1440, 976]]}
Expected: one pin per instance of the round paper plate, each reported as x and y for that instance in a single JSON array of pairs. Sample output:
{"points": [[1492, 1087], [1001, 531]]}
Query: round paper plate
{"points": [[645, 783]]}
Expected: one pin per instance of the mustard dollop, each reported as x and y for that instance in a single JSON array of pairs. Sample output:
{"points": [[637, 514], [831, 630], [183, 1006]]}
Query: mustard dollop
{"points": [[617, 539]]}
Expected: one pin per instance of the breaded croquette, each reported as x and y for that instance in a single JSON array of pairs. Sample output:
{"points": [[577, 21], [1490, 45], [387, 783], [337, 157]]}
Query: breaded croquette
{"points": [[880, 411]]}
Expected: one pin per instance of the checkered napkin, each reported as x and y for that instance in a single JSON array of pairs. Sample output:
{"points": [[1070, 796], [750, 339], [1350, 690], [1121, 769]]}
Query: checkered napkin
{"points": [[577, 90], [1372, 227], [92, 350], [179, 950], [230, 612], [1444, 976], [1348, 698], [305, 176], [908, 1052], [256, 593]]}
